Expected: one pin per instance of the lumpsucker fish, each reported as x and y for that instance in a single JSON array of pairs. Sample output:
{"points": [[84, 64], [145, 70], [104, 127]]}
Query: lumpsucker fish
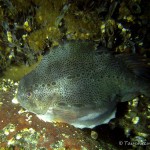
{"points": [[80, 83]]}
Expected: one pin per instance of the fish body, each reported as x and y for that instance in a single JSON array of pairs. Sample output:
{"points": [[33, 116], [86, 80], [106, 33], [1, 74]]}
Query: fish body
{"points": [[79, 84]]}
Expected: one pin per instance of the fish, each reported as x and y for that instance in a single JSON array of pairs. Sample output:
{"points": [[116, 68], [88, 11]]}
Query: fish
{"points": [[80, 83]]}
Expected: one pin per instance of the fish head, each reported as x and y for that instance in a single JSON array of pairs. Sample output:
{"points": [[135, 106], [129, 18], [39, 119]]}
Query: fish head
{"points": [[34, 95]]}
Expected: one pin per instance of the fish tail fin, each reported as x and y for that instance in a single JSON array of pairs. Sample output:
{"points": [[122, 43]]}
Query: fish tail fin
{"points": [[140, 66]]}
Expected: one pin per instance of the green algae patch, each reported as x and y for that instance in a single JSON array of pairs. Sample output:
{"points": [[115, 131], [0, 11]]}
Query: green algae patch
{"points": [[15, 73]]}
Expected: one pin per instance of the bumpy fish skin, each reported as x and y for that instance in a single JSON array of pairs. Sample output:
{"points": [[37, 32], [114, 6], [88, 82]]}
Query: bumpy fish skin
{"points": [[79, 84]]}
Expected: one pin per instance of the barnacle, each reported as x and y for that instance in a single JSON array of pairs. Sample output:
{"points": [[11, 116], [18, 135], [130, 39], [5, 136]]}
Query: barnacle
{"points": [[94, 135]]}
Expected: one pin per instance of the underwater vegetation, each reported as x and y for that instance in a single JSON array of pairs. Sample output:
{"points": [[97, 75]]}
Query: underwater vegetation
{"points": [[28, 29]]}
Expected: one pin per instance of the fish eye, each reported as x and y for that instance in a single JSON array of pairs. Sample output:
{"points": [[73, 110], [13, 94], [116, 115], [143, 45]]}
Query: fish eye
{"points": [[29, 94]]}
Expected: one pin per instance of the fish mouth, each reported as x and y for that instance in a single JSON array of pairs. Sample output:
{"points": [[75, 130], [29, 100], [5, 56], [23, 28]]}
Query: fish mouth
{"points": [[36, 111], [48, 116], [33, 108]]}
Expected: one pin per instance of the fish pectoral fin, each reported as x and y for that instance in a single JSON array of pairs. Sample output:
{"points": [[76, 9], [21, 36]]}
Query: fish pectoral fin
{"points": [[140, 66]]}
